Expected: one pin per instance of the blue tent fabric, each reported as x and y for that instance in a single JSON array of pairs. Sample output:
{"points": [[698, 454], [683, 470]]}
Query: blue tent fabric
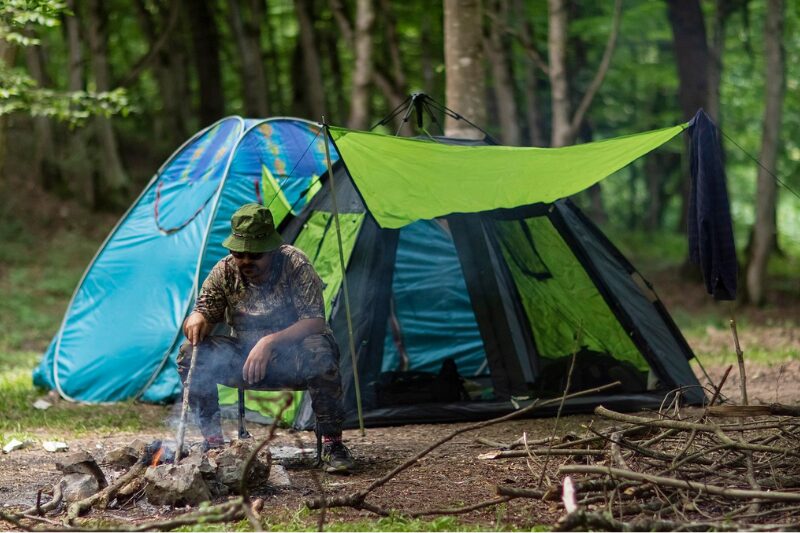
{"points": [[710, 228], [119, 336], [432, 305]]}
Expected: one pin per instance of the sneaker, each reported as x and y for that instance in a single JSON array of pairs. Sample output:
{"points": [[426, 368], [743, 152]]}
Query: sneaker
{"points": [[336, 458], [213, 442]]}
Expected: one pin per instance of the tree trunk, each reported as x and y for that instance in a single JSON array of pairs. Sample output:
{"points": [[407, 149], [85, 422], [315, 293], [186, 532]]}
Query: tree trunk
{"points": [[44, 164], [557, 34], [8, 51], [205, 38], [533, 112], [247, 33], [426, 59], [274, 82], [715, 56], [692, 59], [764, 229], [463, 57], [314, 95], [171, 126], [76, 165], [362, 71], [510, 134], [112, 181], [339, 111]]}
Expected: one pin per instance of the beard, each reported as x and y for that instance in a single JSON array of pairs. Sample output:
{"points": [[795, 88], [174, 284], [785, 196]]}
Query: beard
{"points": [[251, 271]]}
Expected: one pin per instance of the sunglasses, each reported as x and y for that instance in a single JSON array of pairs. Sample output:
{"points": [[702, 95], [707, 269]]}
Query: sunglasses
{"points": [[248, 255]]}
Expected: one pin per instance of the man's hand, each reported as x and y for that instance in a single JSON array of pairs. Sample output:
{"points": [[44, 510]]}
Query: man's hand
{"points": [[255, 368], [196, 327]]}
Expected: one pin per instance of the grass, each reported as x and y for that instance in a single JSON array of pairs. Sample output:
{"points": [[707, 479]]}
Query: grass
{"points": [[305, 521], [37, 278]]}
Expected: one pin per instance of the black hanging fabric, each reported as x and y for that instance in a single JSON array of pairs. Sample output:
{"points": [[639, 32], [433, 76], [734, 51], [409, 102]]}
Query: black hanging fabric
{"points": [[710, 228]]}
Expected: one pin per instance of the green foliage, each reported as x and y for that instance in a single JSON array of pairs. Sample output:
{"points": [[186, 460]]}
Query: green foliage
{"points": [[17, 15], [19, 20]]}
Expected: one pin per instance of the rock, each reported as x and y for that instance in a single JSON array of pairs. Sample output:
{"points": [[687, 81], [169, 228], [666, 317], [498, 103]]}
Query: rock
{"points": [[205, 464], [77, 486], [291, 453], [14, 444], [170, 484], [125, 456], [42, 405], [278, 477], [231, 462], [82, 462], [55, 446]]}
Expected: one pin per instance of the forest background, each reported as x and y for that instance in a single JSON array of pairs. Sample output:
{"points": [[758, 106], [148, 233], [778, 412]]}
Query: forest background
{"points": [[96, 94]]}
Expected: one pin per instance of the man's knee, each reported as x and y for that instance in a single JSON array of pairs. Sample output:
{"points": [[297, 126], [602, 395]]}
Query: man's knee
{"points": [[323, 355]]}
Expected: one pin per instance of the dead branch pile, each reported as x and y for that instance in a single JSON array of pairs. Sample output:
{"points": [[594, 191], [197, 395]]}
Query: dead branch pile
{"points": [[671, 473]]}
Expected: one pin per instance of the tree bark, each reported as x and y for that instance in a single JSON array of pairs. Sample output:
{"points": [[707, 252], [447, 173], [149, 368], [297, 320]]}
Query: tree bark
{"points": [[172, 125], [362, 71], [111, 179], [76, 165], [510, 134], [274, 82], [692, 59], [557, 34], [205, 38], [44, 164], [566, 125], [314, 96], [715, 57], [8, 52], [247, 33], [533, 112], [765, 227], [465, 88]]}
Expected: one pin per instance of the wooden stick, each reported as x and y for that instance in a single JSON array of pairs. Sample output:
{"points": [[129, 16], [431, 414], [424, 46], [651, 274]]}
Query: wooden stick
{"points": [[740, 359], [356, 499], [688, 426], [107, 494], [185, 406], [774, 409], [682, 484], [544, 451], [462, 510]]}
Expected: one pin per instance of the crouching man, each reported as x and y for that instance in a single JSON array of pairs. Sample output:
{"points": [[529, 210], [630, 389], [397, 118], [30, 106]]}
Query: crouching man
{"points": [[271, 297]]}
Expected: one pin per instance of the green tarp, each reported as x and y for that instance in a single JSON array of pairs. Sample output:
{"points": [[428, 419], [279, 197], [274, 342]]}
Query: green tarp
{"points": [[403, 180]]}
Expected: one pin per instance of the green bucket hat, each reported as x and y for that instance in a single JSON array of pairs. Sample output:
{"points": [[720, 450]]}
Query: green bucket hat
{"points": [[252, 230]]}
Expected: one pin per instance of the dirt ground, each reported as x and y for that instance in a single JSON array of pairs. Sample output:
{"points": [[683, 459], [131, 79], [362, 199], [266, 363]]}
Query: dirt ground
{"points": [[451, 476]]}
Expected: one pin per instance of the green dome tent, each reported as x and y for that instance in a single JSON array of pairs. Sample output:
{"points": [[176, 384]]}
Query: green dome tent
{"points": [[463, 263], [465, 252]]}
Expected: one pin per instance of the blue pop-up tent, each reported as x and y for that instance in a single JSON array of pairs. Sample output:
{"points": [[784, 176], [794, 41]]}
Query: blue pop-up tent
{"points": [[121, 331]]}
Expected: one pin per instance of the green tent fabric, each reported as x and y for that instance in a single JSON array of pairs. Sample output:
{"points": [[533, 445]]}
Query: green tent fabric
{"points": [[403, 180]]}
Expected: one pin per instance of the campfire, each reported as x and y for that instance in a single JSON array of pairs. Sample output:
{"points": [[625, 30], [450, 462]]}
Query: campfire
{"points": [[163, 452]]}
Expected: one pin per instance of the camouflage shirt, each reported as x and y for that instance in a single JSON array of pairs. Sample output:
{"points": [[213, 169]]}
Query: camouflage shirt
{"points": [[292, 292]]}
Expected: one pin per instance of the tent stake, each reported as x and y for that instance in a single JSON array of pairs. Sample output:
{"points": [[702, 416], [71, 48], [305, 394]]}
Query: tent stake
{"points": [[344, 279]]}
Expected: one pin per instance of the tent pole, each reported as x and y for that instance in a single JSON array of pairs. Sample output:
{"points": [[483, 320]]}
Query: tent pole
{"points": [[344, 280]]}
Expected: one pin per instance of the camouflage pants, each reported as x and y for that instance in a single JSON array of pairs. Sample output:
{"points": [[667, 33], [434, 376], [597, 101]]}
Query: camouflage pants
{"points": [[312, 364]]}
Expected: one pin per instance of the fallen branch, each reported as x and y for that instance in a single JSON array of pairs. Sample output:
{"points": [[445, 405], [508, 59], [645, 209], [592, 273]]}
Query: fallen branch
{"points": [[774, 409], [689, 426], [103, 497], [462, 510], [356, 499], [54, 502], [543, 451], [682, 484], [514, 492]]}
